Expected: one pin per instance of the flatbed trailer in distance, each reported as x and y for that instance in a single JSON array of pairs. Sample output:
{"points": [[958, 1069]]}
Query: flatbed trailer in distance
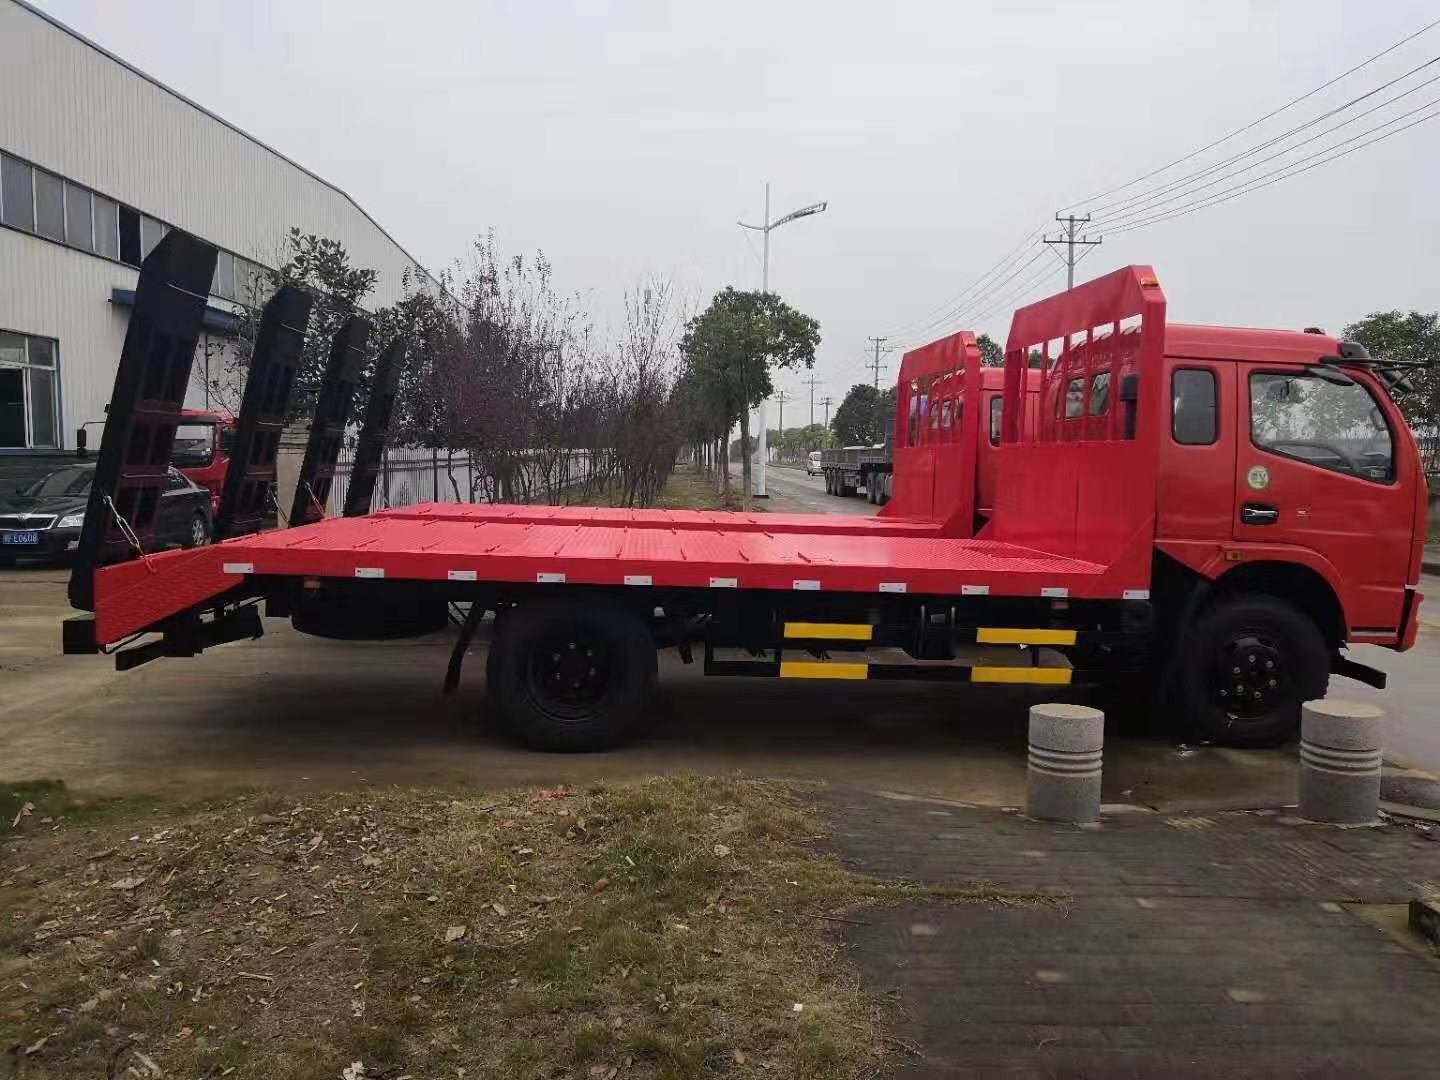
{"points": [[1109, 555]]}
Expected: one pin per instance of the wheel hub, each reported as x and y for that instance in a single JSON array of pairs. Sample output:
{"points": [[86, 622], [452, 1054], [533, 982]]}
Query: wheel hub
{"points": [[1250, 675], [569, 673]]}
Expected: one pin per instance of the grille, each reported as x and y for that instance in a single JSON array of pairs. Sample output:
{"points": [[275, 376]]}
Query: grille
{"points": [[26, 522]]}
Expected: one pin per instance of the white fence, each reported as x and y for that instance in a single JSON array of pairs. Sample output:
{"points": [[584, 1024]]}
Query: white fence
{"points": [[410, 476], [407, 477]]}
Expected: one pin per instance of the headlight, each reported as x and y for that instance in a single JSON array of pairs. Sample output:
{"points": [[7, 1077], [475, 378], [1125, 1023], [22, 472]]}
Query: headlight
{"points": [[71, 521]]}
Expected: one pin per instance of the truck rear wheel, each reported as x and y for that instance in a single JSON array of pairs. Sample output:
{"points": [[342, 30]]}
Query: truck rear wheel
{"points": [[1249, 663], [572, 678]]}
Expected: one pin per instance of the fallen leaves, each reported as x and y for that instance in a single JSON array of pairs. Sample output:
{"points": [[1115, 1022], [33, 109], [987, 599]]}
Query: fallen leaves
{"points": [[127, 884], [26, 809], [454, 933]]}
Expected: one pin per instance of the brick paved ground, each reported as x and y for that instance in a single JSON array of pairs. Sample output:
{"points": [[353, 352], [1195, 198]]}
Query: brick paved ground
{"points": [[1225, 944]]}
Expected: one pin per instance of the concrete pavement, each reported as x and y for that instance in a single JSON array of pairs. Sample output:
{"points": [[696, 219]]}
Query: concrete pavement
{"points": [[1224, 944]]}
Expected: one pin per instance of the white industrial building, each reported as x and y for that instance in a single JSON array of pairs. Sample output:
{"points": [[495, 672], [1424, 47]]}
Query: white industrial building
{"points": [[97, 161]]}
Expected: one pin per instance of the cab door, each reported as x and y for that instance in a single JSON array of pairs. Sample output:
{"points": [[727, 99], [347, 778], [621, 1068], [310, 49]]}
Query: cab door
{"points": [[1316, 466]]}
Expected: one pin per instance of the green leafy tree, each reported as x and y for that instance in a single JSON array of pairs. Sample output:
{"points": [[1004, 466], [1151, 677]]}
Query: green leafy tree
{"points": [[854, 420], [1410, 337], [991, 354], [736, 342], [321, 267]]}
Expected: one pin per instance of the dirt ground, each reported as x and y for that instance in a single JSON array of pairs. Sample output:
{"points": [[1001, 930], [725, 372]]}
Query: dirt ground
{"points": [[291, 711]]}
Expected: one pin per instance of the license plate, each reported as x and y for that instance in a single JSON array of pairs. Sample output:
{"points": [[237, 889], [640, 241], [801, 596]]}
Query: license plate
{"points": [[20, 538]]}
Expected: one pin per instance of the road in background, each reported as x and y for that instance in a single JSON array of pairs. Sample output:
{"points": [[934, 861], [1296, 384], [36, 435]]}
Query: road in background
{"points": [[792, 492], [1412, 700]]}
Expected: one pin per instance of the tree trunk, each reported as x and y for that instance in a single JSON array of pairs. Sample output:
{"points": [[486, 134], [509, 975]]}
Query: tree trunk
{"points": [[745, 459]]}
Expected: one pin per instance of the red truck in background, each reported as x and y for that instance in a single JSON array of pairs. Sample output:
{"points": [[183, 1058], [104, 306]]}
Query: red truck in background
{"points": [[930, 424], [203, 442], [1213, 514]]}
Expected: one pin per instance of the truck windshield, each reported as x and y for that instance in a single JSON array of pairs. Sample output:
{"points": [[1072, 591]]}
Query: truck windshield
{"points": [[1340, 428], [194, 446]]}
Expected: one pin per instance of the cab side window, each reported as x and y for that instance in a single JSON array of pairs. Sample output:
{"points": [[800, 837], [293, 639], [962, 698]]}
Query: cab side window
{"points": [[1335, 426], [1192, 407]]}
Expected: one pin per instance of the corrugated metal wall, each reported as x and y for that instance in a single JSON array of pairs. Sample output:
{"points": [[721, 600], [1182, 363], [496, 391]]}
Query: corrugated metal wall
{"points": [[72, 109], [51, 291]]}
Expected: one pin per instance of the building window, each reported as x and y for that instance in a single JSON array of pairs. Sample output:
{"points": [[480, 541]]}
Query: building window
{"points": [[79, 226], [129, 236], [151, 233], [223, 284], [29, 414], [17, 194], [49, 206], [107, 228]]}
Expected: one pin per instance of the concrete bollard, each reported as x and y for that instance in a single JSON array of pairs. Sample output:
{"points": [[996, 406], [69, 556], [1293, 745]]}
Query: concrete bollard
{"points": [[1067, 743], [1340, 752]]}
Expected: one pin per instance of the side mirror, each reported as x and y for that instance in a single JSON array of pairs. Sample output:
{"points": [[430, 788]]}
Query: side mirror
{"points": [[1129, 387], [80, 441]]}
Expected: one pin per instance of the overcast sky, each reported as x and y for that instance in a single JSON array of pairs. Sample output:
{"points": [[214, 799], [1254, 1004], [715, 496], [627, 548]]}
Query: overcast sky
{"points": [[627, 138]]}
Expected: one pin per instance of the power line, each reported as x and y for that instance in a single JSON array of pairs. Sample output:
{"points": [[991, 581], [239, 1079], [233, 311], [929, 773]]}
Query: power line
{"points": [[944, 313], [1140, 204], [1254, 123], [1285, 171]]}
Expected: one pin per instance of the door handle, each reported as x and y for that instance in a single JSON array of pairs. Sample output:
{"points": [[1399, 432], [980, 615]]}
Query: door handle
{"points": [[1259, 514]]}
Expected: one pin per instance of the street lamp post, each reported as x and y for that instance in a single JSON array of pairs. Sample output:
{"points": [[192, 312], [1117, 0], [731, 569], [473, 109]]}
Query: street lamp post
{"points": [[765, 229]]}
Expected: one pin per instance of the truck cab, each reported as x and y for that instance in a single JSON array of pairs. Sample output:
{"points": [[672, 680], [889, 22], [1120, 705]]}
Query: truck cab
{"points": [[1290, 497], [203, 442]]}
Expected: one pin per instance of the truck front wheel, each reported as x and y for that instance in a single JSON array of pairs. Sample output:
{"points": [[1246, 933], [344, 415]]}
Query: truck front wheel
{"points": [[572, 678], [1249, 662]]}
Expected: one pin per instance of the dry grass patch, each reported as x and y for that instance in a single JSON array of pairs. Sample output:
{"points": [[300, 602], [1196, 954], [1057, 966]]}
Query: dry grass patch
{"points": [[663, 929]]}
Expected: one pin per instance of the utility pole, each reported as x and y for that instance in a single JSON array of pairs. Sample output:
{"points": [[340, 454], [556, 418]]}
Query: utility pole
{"points": [[1068, 236], [826, 402], [766, 229], [812, 382], [874, 365], [780, 397]]}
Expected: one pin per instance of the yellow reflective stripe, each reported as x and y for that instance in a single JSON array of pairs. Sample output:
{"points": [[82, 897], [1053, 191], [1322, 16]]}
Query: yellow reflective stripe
{"points": [[830, 631], [822, 669], [989, 635], [1047, 676]]}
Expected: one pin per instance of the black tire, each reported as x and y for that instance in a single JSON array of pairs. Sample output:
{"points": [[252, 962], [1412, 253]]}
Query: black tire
{"points": [[605, 654], [198, 533], [1247, 664]]}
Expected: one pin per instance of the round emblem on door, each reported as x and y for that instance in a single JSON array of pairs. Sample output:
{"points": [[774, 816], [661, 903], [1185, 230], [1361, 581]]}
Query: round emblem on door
{"points": [[1258, 477]]}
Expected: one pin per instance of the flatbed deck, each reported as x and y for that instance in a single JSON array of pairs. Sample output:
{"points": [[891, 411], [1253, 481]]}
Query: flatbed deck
{"points": [[605, 547]]}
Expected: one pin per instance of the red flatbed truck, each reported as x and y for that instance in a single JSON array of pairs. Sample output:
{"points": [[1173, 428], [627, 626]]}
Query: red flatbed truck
{"points": [[1147, 530]]}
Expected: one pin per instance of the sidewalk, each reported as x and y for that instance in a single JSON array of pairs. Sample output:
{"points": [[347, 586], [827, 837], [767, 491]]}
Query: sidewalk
{"points": [[1222, 944]]}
